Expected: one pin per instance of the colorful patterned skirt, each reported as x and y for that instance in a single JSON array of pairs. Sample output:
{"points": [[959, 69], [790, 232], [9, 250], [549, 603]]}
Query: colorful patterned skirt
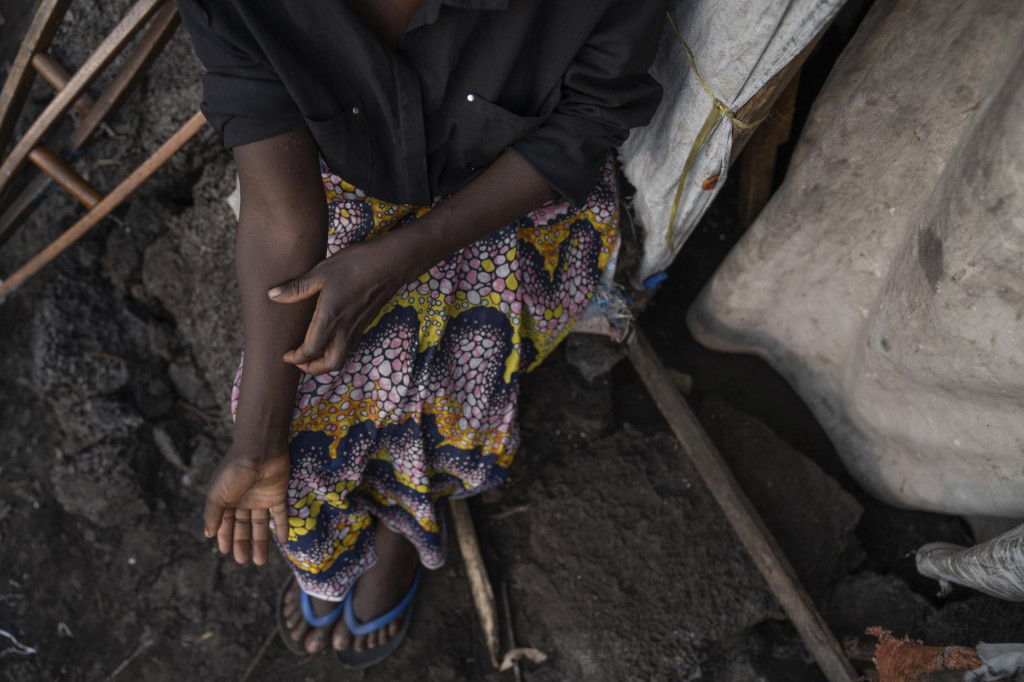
{"points": [[425, 408]]}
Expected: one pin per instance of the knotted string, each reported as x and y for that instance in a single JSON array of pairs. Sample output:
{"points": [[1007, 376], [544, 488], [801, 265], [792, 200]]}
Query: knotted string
{"points": [[719, 109]]}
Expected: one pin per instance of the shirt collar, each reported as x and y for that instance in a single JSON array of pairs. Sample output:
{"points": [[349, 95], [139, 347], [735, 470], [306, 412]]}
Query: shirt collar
{"points": [[428, 10]]}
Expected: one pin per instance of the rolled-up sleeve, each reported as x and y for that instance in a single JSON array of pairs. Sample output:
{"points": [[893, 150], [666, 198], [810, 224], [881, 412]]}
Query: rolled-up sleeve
{"points": [[606, 91], [243, 98]]}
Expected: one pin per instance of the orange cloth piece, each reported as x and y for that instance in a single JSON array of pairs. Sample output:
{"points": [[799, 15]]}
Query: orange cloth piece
{"points": [[902, 660]]}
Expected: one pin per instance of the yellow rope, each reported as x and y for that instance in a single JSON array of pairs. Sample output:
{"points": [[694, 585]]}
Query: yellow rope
{"points": [[719, 109]]}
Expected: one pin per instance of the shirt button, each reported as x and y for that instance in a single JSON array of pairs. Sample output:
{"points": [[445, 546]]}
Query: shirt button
{"points": [[355, 110], [470, 97]]}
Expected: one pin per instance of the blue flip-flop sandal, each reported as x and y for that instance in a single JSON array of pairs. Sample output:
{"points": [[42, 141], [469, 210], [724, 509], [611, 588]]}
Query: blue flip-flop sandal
{"points": [[358, 660], [307, 611]]}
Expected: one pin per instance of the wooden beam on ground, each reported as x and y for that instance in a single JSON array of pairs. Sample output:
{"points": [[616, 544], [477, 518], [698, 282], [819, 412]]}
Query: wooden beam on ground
{"points": [[757, 163], [106, 205], [744, 519], [97, 61], [479, 584], [19, 79]]}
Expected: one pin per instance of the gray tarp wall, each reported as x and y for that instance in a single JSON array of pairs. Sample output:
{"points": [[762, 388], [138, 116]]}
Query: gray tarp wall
{"points": [[885, 279], [738, 45]]}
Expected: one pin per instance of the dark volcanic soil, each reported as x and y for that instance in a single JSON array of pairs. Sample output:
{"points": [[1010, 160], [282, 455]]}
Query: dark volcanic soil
{"points": [[115, 368]]}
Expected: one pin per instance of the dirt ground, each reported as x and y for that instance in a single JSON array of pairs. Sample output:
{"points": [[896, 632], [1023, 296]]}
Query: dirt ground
{"points": [[115, 368]]}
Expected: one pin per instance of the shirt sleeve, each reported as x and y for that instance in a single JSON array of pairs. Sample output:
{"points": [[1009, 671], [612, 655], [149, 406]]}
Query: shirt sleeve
{"points": [[243, 99], [605, 91]]}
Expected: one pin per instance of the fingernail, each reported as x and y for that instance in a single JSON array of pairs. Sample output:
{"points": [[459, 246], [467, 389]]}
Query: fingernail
{"points": [[274, 293]]}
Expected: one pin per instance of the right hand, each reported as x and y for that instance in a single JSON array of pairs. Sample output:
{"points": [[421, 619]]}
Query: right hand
{"points": [[243, 494]]}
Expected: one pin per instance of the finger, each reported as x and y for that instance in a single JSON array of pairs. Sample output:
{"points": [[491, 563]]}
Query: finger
{"points": [[333, 359], [318, 335], [280, 522], [213, 512], [298, 289], [258, 518], [243, 535], [226, 533]]}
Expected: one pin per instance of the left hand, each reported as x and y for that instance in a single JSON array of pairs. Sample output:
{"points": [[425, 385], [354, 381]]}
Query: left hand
{"points": [[353, 284]]}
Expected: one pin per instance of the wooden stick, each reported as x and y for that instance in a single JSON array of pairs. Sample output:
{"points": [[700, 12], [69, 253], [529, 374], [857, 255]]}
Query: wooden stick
{"points": [[65, 176], [57, 107], [57, 76], [146, 49], [104, 207], [761, 103], [37, 39], [742, 516], [479, 584], [758, 161]]}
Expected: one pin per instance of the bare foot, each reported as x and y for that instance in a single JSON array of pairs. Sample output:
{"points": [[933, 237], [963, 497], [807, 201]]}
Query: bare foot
{"points": [[377, 591]]}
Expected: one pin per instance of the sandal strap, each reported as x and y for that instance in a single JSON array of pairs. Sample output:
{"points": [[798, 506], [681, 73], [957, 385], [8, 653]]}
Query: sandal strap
{"points": [[357, 628], [314, 620]]}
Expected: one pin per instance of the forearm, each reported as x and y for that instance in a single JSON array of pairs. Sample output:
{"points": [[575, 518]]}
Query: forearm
{"points": [[282, 233], [509, 189], [264, 259]]}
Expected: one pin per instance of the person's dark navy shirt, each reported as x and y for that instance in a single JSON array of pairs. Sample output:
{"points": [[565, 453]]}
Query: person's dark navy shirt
{"points": [[558, 81]]}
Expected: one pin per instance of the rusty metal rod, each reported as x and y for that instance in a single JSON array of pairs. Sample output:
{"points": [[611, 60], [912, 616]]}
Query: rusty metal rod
{"points": [[65, 176], [106, 205], [57, 76]]}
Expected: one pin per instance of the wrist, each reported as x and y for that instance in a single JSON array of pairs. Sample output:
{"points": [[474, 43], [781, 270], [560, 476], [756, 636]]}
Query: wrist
{"points": [[261, 435], [419, 247]]}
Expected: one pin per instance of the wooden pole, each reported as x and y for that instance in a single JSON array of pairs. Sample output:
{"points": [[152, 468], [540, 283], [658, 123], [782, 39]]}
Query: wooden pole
{"points": [[106, 205], [479, 584], [744, 519]]}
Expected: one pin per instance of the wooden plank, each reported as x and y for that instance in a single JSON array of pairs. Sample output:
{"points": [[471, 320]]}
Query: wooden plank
{"points": [[19, 79], [479, 584], [742, 516], [761, 103], [57, 76], [106, 205], [96, 62], [65, 176], [757, 163]]}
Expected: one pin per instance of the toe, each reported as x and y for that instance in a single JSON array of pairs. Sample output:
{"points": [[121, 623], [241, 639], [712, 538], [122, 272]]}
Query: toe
{"points": [[371, 640], [359, 644], [393, 627], [299, 630], [382, 636], [342, 638], [316, 640], [292, 619]]}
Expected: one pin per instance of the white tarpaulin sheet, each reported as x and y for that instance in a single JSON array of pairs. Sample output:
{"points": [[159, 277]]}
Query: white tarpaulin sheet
{"points": [[738, 45], [885, 279]]}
